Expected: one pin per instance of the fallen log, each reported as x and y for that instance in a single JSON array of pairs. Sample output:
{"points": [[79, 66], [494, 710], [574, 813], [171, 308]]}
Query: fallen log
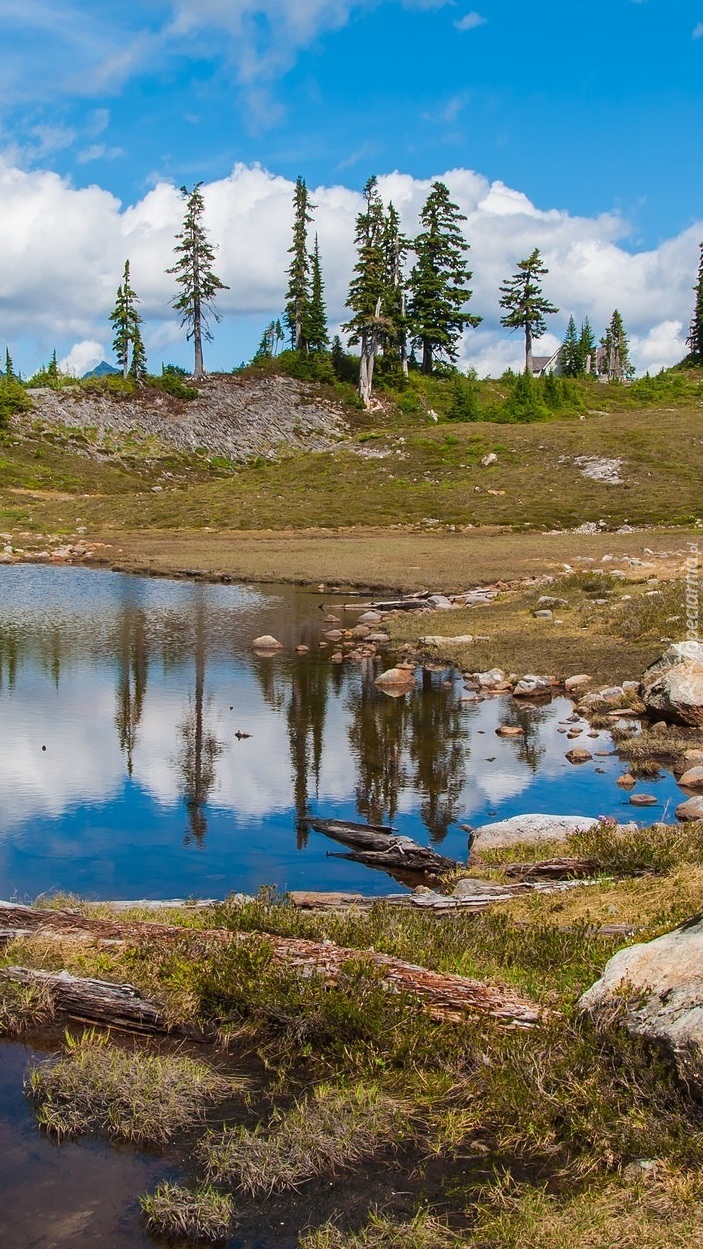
{"points": [[349, 827], [392, 853], [444, 996], [95, 1001], [553, 869]]}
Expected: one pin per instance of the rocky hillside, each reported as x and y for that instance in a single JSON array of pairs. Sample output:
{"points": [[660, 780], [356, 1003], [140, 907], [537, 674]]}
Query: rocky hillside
{"points": [[236, 417]]}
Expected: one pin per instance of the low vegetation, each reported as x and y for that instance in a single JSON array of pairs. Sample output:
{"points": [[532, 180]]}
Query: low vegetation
{"points": [[95, 1086], [333, 1129], [194, 1214]]}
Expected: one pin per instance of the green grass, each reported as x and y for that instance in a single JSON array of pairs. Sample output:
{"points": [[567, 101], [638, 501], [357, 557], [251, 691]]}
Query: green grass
{"points": [[181, 1213], [137, 1096]]}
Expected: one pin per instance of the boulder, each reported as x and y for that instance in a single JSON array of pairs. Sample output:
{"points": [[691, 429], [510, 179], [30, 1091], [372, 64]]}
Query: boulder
{"points": [[494, 676], [440, 602], [579, 755], [659, 984], [381, 638], [690, 812], [334, 635], [626, 781], [544, 613], [531, 686], [267, 643], [396, 678], [673, 686], [370, 618], [530, 828], [692, 779], [577, 684], [643, 800]]}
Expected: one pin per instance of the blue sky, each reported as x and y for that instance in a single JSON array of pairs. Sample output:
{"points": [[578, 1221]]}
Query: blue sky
{"points": [[584, 110]]}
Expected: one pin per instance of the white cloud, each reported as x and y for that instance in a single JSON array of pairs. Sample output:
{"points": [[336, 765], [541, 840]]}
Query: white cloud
{"points": [[63, 294], [82, 357], [99, 151], [470, 21], [698, 31]]}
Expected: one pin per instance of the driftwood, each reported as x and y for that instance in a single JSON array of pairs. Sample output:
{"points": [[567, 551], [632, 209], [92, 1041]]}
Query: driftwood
{"points": [[553, 869], [95, 1001], [443, 996], [347, 829], [392, 853]]}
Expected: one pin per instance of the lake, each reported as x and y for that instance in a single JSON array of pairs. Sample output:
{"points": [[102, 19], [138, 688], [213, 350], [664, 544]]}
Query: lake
{"points": [[120, 701]]}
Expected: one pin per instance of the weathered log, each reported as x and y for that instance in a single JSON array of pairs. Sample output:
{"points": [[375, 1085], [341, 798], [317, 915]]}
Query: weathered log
{"points": [[95, 1001], [553, 869], [392, 853], [444, 996], [347, 829]]}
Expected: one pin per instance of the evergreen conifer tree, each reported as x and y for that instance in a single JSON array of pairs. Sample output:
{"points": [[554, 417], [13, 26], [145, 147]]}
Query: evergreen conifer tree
{"points": [[318, 337], [587, 348], [126, 323], [439, 290], [368, 287], [615, 364], [9, 367], [570, 356], [52, 369], [695, 338], [395, 300], [525, 304], [195, 275], [297, 309]]}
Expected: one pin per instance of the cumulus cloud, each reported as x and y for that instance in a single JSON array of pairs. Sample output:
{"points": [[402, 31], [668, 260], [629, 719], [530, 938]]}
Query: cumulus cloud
{"points": [[82, 357], [64, 294], [470, 21]]}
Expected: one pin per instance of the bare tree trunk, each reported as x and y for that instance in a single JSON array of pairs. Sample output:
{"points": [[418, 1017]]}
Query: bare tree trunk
{"points": [[528, 350], [426, 357], [444, 996], [404, 341], [199, 368]]}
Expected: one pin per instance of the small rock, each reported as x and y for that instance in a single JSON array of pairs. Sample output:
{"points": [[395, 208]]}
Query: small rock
{"points": [[331, 619], [395, 677], [690, 811], [692, 779], [626, 781], [267, 643], [510, 730], [302, 649], [334, 635], [643, 800], [575, 684], [370, 618], [543, 614], [579, 755], [489, 459], [532, 687]]}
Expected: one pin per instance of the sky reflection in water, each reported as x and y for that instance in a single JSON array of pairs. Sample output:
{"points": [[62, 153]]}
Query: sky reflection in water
{"points": [[137, 687]]}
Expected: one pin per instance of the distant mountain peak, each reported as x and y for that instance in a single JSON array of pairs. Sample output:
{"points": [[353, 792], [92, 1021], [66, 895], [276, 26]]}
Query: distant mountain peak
{"points": [[101, 370]]}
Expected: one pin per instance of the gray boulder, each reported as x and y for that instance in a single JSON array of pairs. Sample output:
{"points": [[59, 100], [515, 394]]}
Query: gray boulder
{"points": [[530, 828], [673, 686], [532, 687], [660, 986]]}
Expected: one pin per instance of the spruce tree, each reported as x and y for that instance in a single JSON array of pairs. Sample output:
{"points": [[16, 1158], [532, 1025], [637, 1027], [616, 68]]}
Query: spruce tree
{"points": [[318, 337], [615, 362], [126, 323], [438, 282], [137, 367], [195, 275], [9, 367], [52, 369], [297, 308], [395, 299], [525, 304], [368, 287], [587, 348], [695, 338], [570, 356]]}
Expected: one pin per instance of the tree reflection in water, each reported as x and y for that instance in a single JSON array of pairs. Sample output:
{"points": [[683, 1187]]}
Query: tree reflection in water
{"points": [[201, 748]]}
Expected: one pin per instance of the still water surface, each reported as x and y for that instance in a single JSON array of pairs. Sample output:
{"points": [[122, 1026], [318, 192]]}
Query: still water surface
{"points": [[122, 776]]}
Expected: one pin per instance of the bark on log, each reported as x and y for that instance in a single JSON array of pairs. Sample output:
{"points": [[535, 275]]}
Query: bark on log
{"points": [[553, 869], [95, 1001], [379, 849], [444, 996]]}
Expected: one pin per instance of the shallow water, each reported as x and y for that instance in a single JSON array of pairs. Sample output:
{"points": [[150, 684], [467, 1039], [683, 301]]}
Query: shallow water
{"points": [[122, 777]]}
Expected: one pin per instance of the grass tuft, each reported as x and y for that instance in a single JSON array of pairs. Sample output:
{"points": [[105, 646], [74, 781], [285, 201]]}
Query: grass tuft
{"points": [[126, 1094], [202, 1214], [24, 1007], [424, 1231], [329, 1131]]}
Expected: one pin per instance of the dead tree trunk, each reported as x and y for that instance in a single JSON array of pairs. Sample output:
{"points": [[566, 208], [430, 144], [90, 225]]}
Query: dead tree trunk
{"points": [[445, 997], [94, 1001]]}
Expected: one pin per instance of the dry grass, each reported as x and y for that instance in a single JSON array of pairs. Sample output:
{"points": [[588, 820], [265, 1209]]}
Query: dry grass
{"points": [[331, 1130], [130, 1095], [662, 1209], [24, 1008], [424, 1231], [200, 1214]]}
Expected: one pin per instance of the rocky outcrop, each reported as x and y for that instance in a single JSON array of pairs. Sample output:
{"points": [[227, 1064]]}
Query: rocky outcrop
{"points": [[673, 686], [659, 986], [237, 417]]}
